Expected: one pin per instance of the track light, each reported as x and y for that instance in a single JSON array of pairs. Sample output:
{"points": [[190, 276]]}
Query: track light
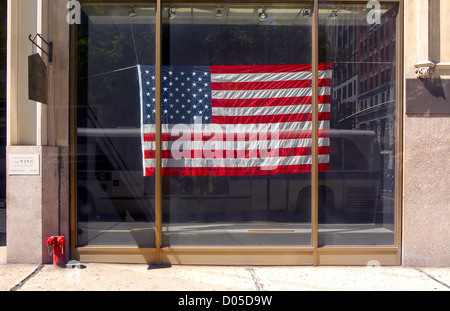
{"points": [[334, 11], [131, 12], [219, 13], [171, 13], [306, 13], [263, 14]]}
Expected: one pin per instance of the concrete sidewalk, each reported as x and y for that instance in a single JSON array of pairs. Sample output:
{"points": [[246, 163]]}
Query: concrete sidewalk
{"points": [[135, 277]]}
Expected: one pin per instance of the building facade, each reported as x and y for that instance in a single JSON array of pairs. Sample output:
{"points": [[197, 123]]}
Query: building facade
{"points": [[256, 132]]}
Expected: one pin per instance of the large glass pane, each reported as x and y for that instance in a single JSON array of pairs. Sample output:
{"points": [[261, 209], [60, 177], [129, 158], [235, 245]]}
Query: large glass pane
{"points": [[115, 200], [3, 17], [237, 124], [356, 196]]}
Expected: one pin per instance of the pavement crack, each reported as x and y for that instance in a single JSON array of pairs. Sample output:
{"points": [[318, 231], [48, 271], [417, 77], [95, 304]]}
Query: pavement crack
{"points": [[255, 279], [21, 283], [433, 278]]}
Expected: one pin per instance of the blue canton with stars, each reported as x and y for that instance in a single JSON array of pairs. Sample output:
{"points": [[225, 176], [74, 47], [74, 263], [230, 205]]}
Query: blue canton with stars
{"points": [[186, 94]]}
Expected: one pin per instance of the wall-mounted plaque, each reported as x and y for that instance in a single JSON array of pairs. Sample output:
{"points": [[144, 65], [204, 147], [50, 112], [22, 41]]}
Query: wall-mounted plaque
{"points": [[37, 79], [24, 164]]}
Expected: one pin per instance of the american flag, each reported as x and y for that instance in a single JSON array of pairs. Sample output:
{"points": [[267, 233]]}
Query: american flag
{"points": [[234, 120]]}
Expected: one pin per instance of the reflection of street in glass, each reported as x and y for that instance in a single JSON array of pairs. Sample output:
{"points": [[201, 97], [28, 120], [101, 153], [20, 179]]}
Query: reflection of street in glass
{"points": [[231, 233]]}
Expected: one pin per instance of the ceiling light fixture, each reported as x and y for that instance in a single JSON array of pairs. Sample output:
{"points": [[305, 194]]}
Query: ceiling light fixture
{"points": [[219, 13], [306, 13], [132, 12], [263, 14], [171, 13], [334, 11], [333, 14]]}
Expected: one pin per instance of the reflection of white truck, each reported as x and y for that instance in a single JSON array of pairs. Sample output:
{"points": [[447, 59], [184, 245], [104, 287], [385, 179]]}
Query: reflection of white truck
{"points": [[109, 185], [352, 185]]}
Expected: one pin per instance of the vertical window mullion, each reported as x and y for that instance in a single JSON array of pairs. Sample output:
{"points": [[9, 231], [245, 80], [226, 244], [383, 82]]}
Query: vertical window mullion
{"points": [[315, 124], [158, 174]]}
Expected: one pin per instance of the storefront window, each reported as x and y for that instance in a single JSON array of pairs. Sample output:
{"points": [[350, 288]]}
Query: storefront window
{"points": [[115, 200], [356, 196], [236, 117], [237, 124]]}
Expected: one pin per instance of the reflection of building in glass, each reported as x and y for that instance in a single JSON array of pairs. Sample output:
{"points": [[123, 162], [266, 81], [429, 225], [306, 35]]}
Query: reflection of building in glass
{"points": [[375, 109], [363, 95], [342, 43]]}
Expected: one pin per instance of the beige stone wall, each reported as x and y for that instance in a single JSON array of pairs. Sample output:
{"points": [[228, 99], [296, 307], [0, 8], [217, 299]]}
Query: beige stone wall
{"points": [[426, 208], [32, 212], [32, 123], [439, 32], [38, 205], [426, 214]]}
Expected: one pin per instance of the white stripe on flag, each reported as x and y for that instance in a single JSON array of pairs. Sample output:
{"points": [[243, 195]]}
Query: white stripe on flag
{"points": [[268, 77], [240, 162], [235, 145], [268, 110], [237, 128], [276, 93]]}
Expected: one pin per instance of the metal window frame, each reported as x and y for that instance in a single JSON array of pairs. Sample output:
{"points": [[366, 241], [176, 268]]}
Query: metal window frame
{"points": [[247, 255]]}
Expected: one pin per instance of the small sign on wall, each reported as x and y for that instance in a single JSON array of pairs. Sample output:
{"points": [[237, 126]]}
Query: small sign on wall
{"points": [[37, 79], [24, 164]]}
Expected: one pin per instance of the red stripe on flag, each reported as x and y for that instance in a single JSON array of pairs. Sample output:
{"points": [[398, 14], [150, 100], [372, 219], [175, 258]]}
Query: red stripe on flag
{"points": [[260, 69], [272, 85], [326, 66], [234, 171], [265, 102], [241, 154], [277, 118]]}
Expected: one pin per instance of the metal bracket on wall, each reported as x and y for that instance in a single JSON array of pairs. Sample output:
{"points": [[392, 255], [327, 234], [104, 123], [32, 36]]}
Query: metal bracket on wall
{"points": [[49, 53]]}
